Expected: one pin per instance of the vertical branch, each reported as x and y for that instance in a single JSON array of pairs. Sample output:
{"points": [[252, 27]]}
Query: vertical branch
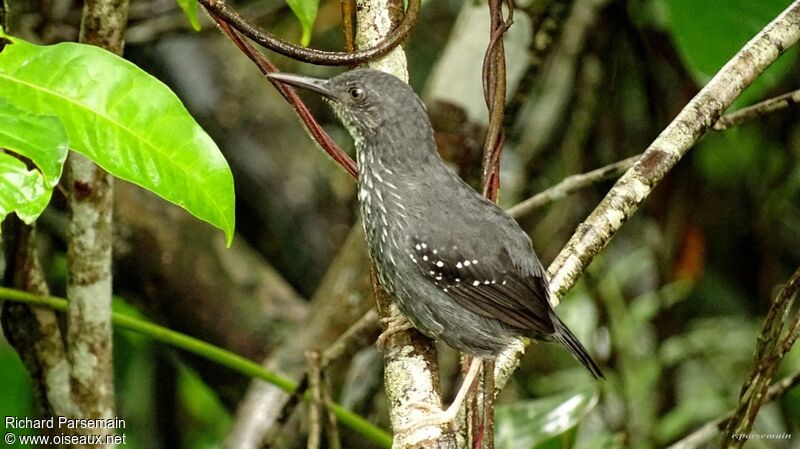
{"points": [[375, 19], [410, 376], [315, 404], [770, 349], [347, 26], [90, 196], [89, 288], [332, 426], [488, 404], [494, 91], [33, 331]]}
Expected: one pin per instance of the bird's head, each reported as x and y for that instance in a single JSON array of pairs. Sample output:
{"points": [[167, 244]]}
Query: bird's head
{"points": [[366, 100]]}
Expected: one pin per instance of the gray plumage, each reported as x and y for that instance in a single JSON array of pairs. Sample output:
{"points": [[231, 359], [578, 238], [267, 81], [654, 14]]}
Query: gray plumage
{"points": [[459, 268]]}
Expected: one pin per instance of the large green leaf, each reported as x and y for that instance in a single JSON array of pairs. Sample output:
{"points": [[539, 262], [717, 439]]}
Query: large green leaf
{"points": [[539, 423], [123, 119], [39, 138], [709, 32], [306, 12]]}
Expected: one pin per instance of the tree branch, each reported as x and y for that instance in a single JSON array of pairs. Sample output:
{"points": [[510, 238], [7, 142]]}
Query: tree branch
{"points": [[661, 156], [570, 185], [90, 198], [757, 110], [34, 332], [410, 374]]}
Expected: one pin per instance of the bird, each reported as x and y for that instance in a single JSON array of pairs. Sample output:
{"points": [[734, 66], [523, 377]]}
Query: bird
{"points": [[458, 267]]}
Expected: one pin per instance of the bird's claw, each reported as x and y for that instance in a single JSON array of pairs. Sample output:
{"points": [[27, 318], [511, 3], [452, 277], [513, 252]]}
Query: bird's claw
{"points": [[393, 323], [437, 417]]}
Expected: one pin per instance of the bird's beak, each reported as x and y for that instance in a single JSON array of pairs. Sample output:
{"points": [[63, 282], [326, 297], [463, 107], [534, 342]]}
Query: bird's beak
{"points": [[313, 84]]}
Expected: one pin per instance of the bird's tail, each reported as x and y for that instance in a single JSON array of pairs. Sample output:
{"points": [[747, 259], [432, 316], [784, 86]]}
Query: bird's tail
{"points": [[564, 336]]}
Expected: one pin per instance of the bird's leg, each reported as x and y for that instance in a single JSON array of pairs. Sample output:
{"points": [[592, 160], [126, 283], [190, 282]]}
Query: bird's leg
{"points": [[446, 416], [395, 322]]}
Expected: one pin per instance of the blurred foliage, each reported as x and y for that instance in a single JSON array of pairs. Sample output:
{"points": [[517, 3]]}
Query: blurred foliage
{"points": [[671, 308], [694, 24], [189, 8], [546, 423], [16, 398]]}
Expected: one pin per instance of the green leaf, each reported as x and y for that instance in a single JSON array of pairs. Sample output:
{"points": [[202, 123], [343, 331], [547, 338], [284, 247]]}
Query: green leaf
{"points": [[306, 12], [709, 32], [189, 8], [124, 120], [537, 423], [42, 140], [21, 190]]}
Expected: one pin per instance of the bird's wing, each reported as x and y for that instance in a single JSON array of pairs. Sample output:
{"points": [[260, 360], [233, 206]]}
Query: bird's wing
{"points": [[483, 278]]}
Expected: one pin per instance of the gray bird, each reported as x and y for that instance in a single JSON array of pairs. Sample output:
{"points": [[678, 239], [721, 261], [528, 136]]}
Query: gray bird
{"points": [[459, 268]]}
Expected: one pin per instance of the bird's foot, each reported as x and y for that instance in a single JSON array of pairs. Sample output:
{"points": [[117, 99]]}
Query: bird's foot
{"points": [[393, 323], [437, 417]]}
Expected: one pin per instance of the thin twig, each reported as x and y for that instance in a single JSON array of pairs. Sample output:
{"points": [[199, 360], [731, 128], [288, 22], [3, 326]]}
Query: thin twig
{"points": [[332, 425], [361, 333], [757, 110], [315, 404], [712, 428], [347, 26], [223, 11], [488, 405], [768, 355], [309, 122], [494, 92], [572, 184]]}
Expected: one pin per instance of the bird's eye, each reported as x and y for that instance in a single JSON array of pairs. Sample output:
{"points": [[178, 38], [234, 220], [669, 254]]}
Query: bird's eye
{"points": [[356, 93]]}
